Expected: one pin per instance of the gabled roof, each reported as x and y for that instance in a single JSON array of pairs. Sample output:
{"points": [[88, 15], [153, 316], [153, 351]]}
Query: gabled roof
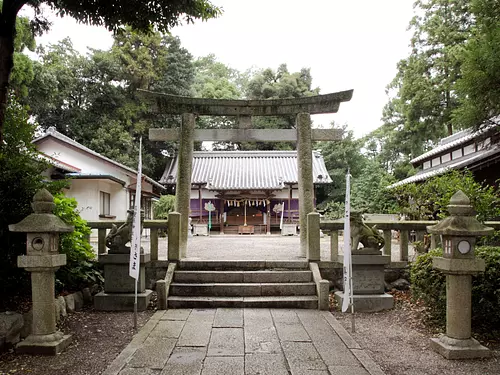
{"points": [[455, 140], [246, 170], [52, 132]]}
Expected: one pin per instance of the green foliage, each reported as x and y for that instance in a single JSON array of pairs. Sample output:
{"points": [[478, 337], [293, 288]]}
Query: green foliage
{"points": [[429, 286], [429, 200], [163, 206], [279, 84], [93, 99], [81, 268], [486, 291], [479, 85], [423, 93], [20, 178]]}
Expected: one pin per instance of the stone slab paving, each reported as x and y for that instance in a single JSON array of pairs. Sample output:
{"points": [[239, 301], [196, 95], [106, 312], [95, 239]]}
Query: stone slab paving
{"points": [[243, 341]]}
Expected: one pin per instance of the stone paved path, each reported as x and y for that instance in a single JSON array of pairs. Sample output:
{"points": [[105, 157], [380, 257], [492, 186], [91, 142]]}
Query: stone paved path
{"points": [[243, 341]]}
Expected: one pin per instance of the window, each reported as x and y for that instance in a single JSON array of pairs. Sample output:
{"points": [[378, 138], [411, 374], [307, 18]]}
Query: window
{"points": [[131, 202], [145, 205], [427, 164], [469, 149], [436, 161], [105, 200], [445, 158]]}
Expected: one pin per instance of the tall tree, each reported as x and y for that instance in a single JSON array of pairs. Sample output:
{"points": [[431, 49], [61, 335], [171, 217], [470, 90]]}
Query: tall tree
{"points": [[85, 96], [423, 91], [279, 84], [113, 14], [479, 86]]}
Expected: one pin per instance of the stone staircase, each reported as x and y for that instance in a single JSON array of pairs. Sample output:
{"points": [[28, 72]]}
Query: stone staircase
{"points": [[264, 284]]}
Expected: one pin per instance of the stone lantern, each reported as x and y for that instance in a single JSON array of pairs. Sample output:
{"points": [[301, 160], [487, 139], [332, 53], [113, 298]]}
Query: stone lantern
{"points": [[42, 260], [458, 235]]}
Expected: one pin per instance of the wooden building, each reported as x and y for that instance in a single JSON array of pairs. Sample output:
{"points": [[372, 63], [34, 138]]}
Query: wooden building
{"points": [[478, 151], [251, 191]]}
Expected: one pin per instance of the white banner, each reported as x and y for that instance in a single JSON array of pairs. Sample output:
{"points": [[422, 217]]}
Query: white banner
{"points": [[347, 246], [282, 210], [135, 244]]}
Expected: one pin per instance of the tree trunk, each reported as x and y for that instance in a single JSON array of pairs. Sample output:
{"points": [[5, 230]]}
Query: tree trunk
{"points": [[7, 32]]}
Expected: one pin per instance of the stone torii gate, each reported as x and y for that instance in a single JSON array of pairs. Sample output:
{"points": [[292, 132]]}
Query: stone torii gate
{"points": [[189, 108]]}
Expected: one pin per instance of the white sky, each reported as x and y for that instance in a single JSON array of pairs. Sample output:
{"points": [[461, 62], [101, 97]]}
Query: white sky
{"points": [[348, 44]]}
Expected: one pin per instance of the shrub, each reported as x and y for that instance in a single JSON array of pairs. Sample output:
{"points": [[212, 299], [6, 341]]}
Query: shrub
{"points": [[163, 206], [81, 269], [429, 200], [20, 178], [429, 286]]}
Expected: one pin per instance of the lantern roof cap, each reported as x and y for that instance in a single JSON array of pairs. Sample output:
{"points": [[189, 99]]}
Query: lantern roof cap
{"points": [[42, 220], [462, 220]]}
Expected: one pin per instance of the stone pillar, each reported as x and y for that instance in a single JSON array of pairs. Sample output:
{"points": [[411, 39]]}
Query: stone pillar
{"points": [[184, 170], [313, 237], [334, 245], [403, 245], [174, 235], [42, 260], [306, 188], [458, 306], [387, 242]]}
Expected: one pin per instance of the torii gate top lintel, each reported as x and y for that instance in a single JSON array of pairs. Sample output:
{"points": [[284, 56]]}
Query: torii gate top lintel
{"points": [[176, 105]]}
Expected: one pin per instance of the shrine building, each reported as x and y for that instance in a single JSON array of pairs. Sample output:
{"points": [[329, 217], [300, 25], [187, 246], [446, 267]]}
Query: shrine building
{"points": [[248, 191]]}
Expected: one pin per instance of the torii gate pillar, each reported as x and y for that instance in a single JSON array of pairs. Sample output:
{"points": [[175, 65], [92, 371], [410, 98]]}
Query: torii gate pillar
{"points": [[183, 187], [305, 175]]}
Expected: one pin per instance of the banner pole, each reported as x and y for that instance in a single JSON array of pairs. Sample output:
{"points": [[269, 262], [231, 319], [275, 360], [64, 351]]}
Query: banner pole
{"points": [[135, 307]]}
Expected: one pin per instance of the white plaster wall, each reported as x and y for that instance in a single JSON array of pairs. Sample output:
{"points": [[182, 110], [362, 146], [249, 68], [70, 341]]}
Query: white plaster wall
{"points": [[86, 193]]}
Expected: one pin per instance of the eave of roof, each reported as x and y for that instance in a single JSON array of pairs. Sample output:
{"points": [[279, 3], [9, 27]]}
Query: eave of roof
{"points": [[93, 176], [52, 132], [455, 140], [466, 161]]}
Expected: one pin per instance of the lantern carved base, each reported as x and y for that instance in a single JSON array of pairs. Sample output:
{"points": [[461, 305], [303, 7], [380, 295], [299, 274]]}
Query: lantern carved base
{"points": [[51, 344], [459, 349]]}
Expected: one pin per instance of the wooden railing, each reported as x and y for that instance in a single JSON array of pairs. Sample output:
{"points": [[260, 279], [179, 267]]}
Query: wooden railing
{"points": [[403, 227], [153, 225]]}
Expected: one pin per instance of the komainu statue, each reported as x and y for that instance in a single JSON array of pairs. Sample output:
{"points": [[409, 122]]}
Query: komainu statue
{"points": [[370, 238], [118, 237]]}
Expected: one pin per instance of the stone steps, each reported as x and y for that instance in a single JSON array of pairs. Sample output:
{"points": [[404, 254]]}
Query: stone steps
{"points": [[243, 289], [265, 276], [266, 284], [285, 302]]}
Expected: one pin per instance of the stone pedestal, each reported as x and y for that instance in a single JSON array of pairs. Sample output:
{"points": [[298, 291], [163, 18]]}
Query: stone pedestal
{"points": [[119, 287], [289, 229], [368, 281], [200, 229]]}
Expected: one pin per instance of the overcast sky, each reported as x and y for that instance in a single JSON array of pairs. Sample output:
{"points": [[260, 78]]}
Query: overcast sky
{"points": [[348, 44]]}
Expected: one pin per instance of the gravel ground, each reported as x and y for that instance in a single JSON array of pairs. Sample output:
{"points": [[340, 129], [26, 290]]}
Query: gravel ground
{"points": [[399, 342], [98, 337]]}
